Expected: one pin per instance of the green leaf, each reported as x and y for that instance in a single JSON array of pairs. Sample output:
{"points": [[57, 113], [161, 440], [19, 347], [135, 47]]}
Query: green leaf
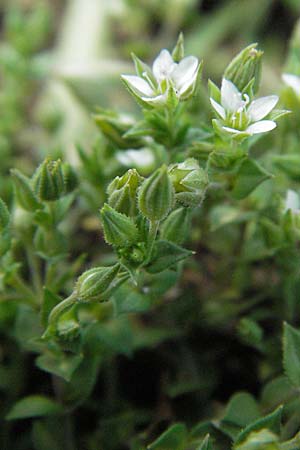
{"points": [[60, 364], [271, 422], [242, 409], [165, 255], [250, 175], [289, 164], [34, 406], [291, 354], [173, 439], [260, 440], [128, 299]]}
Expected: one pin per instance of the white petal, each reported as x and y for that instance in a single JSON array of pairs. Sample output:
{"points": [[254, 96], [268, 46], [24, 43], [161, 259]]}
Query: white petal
{"points": [[233, 130], [185, 71], [293, 81], [261, 127], [163, 65], [139, 85], [220, 110], [292, 201], [159, 99], [259, 108], [231, 98]]}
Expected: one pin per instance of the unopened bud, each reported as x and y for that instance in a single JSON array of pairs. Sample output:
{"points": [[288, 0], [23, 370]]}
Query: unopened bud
{"points": [[94, 284], [245, 69], [49, 180], [119, 230], [122, 192], [190, 182], [156, 195]]}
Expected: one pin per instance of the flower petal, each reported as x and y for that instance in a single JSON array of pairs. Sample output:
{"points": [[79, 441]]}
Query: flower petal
{"points": [[261, 127], [163, 65], [231, 98], [233, 130], [158, 99], [292, 201], [292, 81], [220, 110], [139, 85], [259, 108], [185, 72]]}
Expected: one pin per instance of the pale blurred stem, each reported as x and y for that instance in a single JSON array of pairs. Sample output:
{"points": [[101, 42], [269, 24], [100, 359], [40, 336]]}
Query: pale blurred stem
{"points": [[18, 283], [153, 230], [34, 267]]}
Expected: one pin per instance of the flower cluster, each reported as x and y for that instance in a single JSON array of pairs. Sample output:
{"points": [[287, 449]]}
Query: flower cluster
{"points": [[239, 115], [153, 86]]}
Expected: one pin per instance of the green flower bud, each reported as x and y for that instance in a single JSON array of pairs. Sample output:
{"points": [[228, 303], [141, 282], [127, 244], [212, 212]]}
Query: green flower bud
{"points": [[49, 180], [24, 192], [96, 283], [4, 216], [122, 192], [119, 230], [245, 68], [190, 182], [156, 195], [70, 178], [176, 226], [178, 51]]}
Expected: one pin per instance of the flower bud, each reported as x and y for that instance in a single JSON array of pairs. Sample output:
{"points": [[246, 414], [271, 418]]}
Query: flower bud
{"points": [[122, 192], [190, 182], [245, 68], [176, 226], [156, 195], [24, 192], [119, 230], [70, 178], [178, 51], [94, 284], [4, 216], [49, 180]]}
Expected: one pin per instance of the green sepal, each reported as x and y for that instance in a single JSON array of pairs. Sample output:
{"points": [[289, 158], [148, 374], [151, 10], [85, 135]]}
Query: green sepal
{"points": [[119, 230], [24, 192], [178, 50], [176, 226], [165, 255]]}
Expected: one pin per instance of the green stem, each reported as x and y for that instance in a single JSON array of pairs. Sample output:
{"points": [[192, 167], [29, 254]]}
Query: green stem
{"points": [[18, 283], [61, 307], [35, 271]]}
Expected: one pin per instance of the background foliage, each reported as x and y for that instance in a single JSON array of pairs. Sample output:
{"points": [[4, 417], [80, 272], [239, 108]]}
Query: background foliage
{"points": [[204, 350]]}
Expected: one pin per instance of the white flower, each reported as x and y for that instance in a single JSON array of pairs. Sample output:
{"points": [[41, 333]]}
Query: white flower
{"points": [[292, 202], [292, 81], [152, 86], [238, 115]]}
